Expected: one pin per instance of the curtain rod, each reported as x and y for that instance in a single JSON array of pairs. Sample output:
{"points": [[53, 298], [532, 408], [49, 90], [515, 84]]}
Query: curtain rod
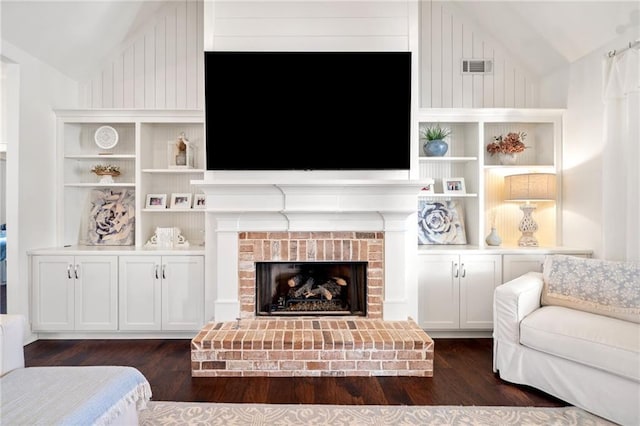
{"points": [[614, 52]]}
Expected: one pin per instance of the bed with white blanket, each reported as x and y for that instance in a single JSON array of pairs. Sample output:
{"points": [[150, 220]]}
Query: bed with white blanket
{"points": [[63, 395]]}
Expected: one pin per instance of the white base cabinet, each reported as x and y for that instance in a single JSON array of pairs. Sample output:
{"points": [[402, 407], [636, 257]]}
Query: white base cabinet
{"points": [[456, 287], [161, 293], [75, 293], [456, 291], [116, 292]]}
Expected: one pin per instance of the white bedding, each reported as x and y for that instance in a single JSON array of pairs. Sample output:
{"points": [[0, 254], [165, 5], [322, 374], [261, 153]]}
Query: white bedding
{"points": [[71, 395]]}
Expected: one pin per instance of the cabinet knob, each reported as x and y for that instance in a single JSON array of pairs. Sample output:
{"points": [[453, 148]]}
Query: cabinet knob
{"points": [[464, 271], [75, 270], [456, 274], [156, 271], [164, 276], [69, 271]]}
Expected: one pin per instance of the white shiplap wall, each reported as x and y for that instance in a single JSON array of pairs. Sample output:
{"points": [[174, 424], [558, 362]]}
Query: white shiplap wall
{"points": [[161, 66], [309, 25], [447, 37], [158, 67]]}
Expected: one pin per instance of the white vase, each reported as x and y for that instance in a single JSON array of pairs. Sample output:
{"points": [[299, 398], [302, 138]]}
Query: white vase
{"points": [[493, 239], [508, 159]]}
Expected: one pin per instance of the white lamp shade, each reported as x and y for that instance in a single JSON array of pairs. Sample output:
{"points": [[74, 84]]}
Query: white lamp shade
{"points": [[530, 187]]}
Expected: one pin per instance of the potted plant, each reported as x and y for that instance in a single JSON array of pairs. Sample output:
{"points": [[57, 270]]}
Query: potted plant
{"points": [[507, 147], [435, 146]]}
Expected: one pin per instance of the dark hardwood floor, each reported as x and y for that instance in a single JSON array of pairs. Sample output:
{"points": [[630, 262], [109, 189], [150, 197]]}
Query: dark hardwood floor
{"points": [[462, 376]]}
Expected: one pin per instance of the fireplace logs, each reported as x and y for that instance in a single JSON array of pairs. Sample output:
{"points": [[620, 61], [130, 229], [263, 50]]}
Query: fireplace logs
{"points": [[315, 287]]}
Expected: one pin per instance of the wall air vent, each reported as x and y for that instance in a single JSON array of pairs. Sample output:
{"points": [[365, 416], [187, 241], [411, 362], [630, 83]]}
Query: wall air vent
{"points": [[477, 66]]}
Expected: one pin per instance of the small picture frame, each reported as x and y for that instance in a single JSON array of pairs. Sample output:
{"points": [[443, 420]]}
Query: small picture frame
{"points": [[429, 187], [156, 201], [199, 201], [181, 200], [453, 185]]}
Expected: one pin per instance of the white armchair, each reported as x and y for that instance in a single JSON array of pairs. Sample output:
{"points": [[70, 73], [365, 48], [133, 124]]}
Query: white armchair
{"points": [[588, 360]]}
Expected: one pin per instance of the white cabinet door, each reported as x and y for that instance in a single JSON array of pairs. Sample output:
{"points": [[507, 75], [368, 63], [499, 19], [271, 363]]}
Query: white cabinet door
{"points": [[182, 292], [456, 291], [53, 286], [479, 276], [75, 293], [140, 292], [161, 292], [438, 292], [96, 292], [518, 264]]}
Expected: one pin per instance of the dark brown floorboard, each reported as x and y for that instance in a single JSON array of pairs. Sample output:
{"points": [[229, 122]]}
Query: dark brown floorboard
{"points": [[462, 376]]}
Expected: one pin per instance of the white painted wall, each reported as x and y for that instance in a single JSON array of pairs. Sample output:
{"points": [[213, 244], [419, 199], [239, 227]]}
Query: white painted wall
{"points": [[582, 145], [30, 185]]}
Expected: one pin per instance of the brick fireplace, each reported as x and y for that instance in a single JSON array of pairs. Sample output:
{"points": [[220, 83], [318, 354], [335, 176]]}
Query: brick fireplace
{"points": [[252, 220], [311, 247]]}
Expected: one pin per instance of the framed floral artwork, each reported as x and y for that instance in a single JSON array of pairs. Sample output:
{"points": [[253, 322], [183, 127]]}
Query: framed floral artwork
{"points": [[441, 222], [111, 218]]}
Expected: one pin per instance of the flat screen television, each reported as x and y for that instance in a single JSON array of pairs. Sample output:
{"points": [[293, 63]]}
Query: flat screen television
{"points": [[307, 110]]}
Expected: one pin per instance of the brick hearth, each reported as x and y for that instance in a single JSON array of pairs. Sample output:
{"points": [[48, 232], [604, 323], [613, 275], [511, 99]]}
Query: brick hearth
{"points": [[312, 347]]}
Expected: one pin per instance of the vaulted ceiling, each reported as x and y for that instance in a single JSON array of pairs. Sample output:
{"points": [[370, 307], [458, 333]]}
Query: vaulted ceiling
{"points": [[77, 36]]}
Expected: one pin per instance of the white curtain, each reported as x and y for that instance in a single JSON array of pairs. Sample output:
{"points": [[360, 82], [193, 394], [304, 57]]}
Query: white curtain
{"points": [[621, 157]]}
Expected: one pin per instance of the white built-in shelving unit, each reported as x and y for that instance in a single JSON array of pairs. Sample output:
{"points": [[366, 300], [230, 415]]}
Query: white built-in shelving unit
{"points": [[456, 282], [80, 288]]}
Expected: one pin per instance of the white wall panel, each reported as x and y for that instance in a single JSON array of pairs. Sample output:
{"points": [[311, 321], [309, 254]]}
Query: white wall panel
{"points": [[118, 80], [138, 73], [128, 78], [448, 36], [149, 94], [311, 43], [171, 59]]}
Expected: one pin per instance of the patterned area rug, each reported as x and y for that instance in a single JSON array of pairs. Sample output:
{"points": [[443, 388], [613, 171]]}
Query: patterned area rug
{"points": [[191, 413]]}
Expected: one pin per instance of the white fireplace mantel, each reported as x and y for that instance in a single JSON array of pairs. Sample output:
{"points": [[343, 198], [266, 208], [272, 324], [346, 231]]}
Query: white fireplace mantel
{"points": [[330, 195], [237, 205]]}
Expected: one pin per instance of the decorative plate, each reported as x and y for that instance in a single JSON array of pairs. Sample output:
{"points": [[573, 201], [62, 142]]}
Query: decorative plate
{"points": [[106, 137]]}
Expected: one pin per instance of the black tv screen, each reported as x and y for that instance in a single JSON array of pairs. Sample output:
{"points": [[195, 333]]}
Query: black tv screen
{"points": [[307, 110]]}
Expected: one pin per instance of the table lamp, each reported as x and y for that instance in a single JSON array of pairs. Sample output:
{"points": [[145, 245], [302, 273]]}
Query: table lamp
{"points": [[529, 187]]}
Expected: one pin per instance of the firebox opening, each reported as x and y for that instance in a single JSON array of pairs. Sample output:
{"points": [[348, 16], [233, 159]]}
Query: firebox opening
{"points": [[311, 288]]}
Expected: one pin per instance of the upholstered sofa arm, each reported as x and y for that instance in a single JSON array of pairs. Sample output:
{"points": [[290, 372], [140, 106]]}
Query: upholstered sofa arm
{"points": [[513, 301]]}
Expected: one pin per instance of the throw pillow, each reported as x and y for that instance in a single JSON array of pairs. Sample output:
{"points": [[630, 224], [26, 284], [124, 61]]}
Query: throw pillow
{"points": [[604, 287]]}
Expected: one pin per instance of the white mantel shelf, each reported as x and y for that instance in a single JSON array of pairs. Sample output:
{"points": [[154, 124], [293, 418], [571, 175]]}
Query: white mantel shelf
{"points": [[312, 182], [331, 196]]}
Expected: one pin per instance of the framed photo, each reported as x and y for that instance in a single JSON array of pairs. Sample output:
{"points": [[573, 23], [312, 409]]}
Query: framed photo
{"points": [[429, 187], [156, 201], [181, 201], [441, 222], [199, 201], [453, 186]]}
